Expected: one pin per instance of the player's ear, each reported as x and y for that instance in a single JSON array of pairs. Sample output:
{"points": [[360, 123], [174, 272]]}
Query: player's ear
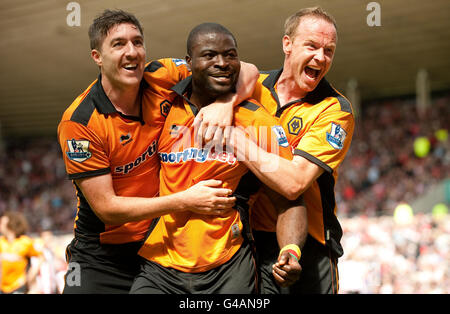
{"points": [[189, 62], [97, 57], [287, 45]]}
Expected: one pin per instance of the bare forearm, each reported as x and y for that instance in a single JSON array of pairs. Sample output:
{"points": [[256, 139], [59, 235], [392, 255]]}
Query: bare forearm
{"points": [[292, 226], [273, 170], [276, 172], [290, 178], [127, 209]]}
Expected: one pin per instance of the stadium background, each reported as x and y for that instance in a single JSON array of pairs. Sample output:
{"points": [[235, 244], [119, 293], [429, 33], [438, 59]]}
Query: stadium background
{"points": [[396, 75]]}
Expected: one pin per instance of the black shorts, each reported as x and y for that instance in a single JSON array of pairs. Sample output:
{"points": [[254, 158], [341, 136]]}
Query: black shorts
{"points": [[319, 270], [236, 276], [267, 250], [101, 268], [319, 267]]}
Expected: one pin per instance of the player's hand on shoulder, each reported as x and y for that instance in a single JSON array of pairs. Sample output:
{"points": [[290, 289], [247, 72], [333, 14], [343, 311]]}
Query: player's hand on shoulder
{"points": [[209, 198], [212, 123]]}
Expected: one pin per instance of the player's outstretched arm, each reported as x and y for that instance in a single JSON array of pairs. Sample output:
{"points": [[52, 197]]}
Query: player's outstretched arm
{"points": [[206, 197], [290, 178]]}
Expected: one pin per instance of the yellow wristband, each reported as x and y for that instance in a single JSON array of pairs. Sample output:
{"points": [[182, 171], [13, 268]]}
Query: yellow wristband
{"points": [[293, 249]]}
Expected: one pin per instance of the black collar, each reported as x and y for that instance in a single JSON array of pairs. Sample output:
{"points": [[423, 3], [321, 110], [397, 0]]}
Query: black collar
{"points": [[184, 89], [104, 104], [322, 91]]}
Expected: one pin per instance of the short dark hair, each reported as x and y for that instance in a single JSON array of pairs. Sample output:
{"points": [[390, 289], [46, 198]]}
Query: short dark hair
{"points": [[103, 23], [291, 23], [206, 28]]}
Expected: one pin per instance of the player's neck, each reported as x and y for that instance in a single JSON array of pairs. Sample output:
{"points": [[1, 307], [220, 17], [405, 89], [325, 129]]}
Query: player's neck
{"points": [[10, 236], [201, 100], [287, 89], [124, 99]]}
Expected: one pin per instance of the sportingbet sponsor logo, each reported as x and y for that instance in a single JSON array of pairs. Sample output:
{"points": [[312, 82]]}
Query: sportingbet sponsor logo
{"points": [[198, 155], [149, 152]]}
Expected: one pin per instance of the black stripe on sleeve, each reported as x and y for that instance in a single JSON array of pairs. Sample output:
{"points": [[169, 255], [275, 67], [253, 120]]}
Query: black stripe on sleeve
{"points": [[313, 159], [153, 66], [249, 105], [87, 174], [83, 112]]}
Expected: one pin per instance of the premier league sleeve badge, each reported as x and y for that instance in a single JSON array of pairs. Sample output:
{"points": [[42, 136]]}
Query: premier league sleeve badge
{"points": [[337, 136], [78, 150]]}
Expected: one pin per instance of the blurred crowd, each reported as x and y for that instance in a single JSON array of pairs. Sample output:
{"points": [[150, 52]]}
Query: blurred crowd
{"points": [[382, 169], [33, 181], [383, 166], [383, 256]]}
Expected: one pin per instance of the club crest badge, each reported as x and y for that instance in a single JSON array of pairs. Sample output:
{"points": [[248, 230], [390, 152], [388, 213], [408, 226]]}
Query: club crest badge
{"points": [[281, 136], [337, 136], [165, 108], [295, 125], [78, 150]]}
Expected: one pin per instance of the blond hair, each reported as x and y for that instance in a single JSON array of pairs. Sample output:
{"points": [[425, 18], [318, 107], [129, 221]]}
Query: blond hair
{"points": [[292, 22]]}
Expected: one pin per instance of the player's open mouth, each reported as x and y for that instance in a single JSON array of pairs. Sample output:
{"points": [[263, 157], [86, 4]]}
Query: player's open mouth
{"points": [[312, 71], [130, 67]]}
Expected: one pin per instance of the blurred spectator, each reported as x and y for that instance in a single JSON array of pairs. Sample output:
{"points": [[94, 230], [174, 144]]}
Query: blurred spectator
{"points": [[16, 250], [383, 256]]}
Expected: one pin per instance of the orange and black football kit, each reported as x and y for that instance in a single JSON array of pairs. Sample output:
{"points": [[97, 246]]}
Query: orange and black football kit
{"points": [[189, 252], [15, 260], [95, 140], [319, 127]]}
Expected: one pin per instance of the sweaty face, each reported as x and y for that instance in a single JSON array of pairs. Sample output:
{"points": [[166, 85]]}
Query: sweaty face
{"points": [[214, 63], [122, 56], [309, 54]]}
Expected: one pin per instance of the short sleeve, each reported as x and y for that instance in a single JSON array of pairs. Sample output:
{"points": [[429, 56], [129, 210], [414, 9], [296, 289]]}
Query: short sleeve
{"points": [[266, 130], [328, 139], [34, 248], [163, 74], [84, 154]]}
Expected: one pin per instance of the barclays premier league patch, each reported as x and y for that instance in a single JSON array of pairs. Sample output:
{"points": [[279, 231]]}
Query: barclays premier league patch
{"points": [[78, 150], [179, 62], [281, 136], [337, 136]]}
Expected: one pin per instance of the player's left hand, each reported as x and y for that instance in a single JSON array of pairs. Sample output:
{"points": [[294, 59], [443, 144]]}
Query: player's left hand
{"points": [[212, 123], [286, 270]]}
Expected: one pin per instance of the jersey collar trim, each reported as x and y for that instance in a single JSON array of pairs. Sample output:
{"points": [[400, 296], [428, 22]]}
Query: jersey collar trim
{"points": [[183, 88], [101, 101], [105, 106], [322, 90]]}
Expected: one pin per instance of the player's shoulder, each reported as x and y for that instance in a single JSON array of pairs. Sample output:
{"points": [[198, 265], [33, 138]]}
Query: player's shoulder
{"points": [[164, 63], [327, 96], [81, 109], [25, 240], [251, 110], [250, 104]]}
